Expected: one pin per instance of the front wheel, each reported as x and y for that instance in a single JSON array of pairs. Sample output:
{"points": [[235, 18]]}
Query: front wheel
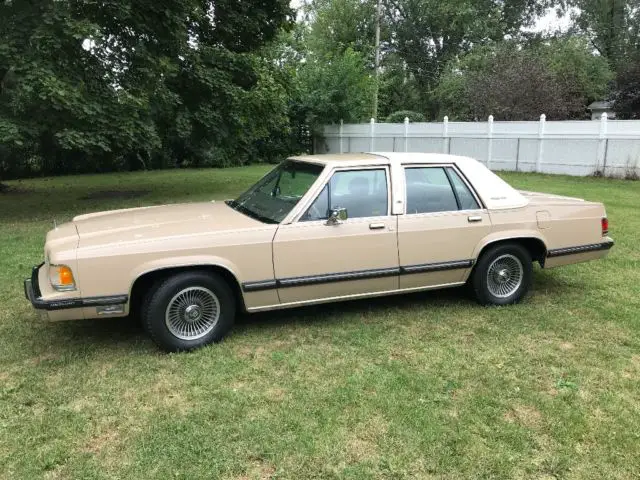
{"points": [[188, 310], [502, 275]]}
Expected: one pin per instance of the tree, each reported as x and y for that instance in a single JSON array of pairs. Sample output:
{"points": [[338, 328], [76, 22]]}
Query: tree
{"points": [[427, 34], [335, 87], [613, 26], [557, 77], [103, 84], [338, 25], [627, 95]]}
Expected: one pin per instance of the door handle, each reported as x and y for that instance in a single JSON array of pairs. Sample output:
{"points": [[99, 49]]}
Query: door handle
{"points": [[376, 226], [473, 219]]}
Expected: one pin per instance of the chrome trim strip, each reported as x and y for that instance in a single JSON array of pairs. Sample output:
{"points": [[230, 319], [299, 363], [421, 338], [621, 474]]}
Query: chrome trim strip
{"points": [[593, 247], [436, 267], [351, 297], [259, 286], [356, 275], [337, 277]]}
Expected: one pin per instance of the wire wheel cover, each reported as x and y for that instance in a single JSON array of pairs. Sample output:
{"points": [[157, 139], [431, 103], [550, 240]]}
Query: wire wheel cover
{"points": [[504, 276], [192, 313]]}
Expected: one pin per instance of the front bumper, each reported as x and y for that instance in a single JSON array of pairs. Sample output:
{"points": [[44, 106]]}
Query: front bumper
{"points": [[34, 295], [57, 308]]}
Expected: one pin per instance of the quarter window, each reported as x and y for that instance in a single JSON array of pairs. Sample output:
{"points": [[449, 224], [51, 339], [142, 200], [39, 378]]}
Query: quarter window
{"points": [[437, 189], [465, 198], [363, 193]]}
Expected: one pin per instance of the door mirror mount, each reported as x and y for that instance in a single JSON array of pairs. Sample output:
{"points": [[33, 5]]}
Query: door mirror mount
{"points": [[337, 215]]}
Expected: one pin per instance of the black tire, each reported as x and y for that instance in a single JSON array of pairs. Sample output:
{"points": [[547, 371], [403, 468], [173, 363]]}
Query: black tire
{"points": [[488, 291], [164, 292]]}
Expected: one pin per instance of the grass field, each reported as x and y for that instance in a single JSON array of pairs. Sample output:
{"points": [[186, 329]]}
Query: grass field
{"points": [[423, 386]]}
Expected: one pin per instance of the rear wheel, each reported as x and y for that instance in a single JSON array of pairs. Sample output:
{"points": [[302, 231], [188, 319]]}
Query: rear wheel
{"points": [[502, 275], [188, 310]]}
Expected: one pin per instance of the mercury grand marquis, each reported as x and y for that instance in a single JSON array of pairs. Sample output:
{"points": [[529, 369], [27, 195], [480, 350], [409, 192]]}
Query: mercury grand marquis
{"points": [[316, 228]]}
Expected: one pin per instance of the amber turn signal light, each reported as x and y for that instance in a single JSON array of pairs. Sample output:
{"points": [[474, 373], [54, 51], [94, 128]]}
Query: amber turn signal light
{"points": [[61, 278]]}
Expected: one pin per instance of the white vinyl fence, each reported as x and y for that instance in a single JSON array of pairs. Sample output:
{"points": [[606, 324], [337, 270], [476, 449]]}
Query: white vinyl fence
{"points": [[583, 147]]}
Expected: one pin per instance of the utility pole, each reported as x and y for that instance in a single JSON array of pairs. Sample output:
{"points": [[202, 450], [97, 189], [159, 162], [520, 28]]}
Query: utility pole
{"points": [[377, 67]]}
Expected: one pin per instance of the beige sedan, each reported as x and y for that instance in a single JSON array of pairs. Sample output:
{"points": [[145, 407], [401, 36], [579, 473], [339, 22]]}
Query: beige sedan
{"points": [[315, 229]]}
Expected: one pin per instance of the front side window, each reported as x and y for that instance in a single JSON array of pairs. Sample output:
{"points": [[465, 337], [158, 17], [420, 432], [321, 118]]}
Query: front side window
{"points": [[272, 198], [364, 193]]}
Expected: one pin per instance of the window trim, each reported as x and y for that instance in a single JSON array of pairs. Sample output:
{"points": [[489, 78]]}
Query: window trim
{"points": [[443, 166], [327, 183]]}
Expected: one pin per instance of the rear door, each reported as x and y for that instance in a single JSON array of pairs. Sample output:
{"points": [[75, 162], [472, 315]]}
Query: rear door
{"points": [[314, 260], [443, 222]]}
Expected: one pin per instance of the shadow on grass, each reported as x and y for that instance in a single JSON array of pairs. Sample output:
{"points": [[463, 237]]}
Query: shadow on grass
{"points": [[126, 334], [118, 334], [451, 297]]}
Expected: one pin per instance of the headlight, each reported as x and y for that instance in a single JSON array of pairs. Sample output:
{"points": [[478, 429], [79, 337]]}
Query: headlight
{"points": [[61, 278]]}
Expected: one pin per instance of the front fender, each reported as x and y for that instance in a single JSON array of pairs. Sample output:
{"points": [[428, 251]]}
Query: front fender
{"points": [[183, 261]]}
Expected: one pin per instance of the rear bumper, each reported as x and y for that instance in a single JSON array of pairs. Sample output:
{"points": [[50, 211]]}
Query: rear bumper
{"points": [[577, 254], [57, 308], [593, 247]]}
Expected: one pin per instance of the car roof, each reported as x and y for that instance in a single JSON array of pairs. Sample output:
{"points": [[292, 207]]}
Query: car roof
{"points": [[381, 158], [495, 193]]}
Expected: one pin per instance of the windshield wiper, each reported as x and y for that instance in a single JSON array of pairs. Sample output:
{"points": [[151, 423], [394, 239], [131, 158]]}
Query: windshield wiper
{"points": [[249, 213]]}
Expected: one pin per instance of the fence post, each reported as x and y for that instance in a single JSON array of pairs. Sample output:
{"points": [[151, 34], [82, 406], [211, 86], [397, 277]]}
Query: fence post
{"points": [[490, 143], [406, 134], [372, 134], [340, 134], [543, 119], [445, 135], [602, 139]]}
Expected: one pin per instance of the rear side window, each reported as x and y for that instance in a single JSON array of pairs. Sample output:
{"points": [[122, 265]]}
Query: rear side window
{"points": [[437, 189], [466, 199]]}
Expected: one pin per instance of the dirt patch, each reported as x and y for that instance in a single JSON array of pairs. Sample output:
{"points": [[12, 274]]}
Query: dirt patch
{"points": [[359, 450], [103, 440], [524, 415], [566, 346], [276, 394], [260, 470], [114, 194]]}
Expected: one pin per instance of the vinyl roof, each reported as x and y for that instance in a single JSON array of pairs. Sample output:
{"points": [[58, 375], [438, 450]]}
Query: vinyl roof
{"points": [[382, 158]]}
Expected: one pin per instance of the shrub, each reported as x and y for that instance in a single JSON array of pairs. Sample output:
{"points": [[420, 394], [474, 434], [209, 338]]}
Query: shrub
{"points": [[398, 117]]}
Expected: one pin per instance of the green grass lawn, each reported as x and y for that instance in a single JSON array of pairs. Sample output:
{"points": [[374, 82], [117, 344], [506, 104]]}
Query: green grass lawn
{"points": [[422, 386]]}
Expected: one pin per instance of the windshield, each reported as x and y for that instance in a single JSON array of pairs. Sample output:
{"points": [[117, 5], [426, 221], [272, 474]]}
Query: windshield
{"points": [[275, 194]]}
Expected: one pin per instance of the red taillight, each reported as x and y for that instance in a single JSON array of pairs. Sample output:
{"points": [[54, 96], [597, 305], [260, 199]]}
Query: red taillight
{"points": [[605, 226]]}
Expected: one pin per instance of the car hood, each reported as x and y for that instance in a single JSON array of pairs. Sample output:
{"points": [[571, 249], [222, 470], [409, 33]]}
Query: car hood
{"points": [[160, 221]]}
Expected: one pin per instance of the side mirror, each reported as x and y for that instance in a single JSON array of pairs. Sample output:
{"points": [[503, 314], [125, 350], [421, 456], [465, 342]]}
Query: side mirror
{"points": [[337, 216]]}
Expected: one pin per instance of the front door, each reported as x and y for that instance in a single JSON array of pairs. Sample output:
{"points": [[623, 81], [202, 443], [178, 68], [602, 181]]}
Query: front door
{"points": [[443, 223], [317, 260]]}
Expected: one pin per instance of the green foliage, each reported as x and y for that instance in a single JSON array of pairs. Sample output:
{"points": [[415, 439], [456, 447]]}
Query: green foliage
{"points": [[91, 86], [613, 26], [627, 95], [427, 34], [398, 117], [341, 24], [335, 87], [557, 77]]}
